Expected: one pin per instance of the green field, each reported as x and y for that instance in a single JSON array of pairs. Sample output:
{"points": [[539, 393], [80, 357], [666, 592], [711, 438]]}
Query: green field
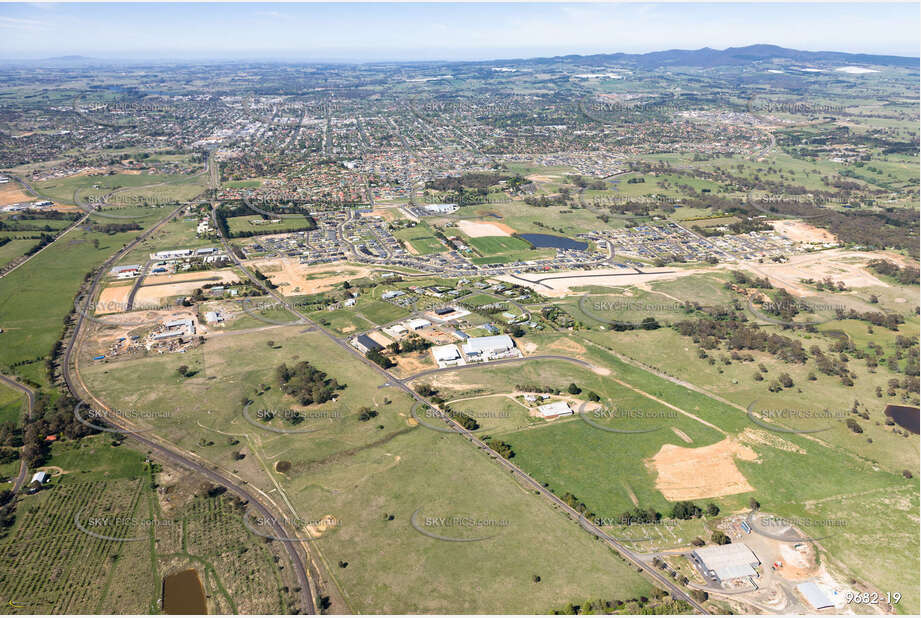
{"points": [[422, 239], [35, 298], [111, 491], [388, 466]]}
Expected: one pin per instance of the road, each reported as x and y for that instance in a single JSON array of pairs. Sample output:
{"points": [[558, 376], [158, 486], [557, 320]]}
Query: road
{"points": [[66, 231], [674, 590], [30, 403], [169, 452]]}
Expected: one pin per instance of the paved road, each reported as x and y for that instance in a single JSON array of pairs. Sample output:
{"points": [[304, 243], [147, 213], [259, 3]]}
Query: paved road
{"points": [[63, 233], [30, 403], [169, 452]]}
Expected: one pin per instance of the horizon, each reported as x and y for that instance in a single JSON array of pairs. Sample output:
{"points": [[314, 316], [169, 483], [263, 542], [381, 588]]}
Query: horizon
{"points": [[360, 33]]}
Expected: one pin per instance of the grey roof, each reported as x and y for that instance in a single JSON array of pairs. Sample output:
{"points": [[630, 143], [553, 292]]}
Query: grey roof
{"points": [[814, 595]]}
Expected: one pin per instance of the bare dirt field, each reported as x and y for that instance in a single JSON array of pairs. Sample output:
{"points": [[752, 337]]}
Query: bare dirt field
{"points": [[216, 275], [477, 229], [706, 472], [840, 264], [799, 231], [158, 288], [562, 283], [388, 214], [11, 193], [292, 277], [113, 299]]}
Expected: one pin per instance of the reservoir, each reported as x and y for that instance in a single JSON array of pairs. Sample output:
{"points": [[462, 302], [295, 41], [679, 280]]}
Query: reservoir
{"points": [[906, 417], [184, 594], [541, 241]]}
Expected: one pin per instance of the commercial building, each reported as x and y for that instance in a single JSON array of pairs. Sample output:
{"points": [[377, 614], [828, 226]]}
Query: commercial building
{"points": [[416, 324], [480, 348], [726, 562], [365, 344], [447, 355], [440, 209]]}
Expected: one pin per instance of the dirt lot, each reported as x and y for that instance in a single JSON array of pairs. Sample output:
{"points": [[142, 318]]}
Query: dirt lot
{"points": [[799, 231], [11, 193], [477, 229], [562, 283], [179, 284], [839, 264], [113, 299], [292, 277], [706, 472]]}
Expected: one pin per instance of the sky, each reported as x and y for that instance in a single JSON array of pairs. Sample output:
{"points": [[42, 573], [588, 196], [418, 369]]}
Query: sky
{"points": [[354, 32]]}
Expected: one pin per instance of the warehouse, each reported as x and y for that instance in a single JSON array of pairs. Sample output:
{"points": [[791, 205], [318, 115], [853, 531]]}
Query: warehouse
{"points": [[417, 324], [365, 344], [726, 562], [814, 595], [447, 355], [489, 347]]}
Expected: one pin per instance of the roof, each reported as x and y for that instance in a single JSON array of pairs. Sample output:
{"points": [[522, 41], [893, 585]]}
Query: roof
{"points": [[417, 323], [445, 352], [368, 343], [814, 595], [557, 408], [728, 561], [41, 477], [482, 344]]}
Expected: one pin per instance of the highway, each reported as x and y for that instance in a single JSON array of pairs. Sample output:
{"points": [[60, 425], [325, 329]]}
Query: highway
{"points": [[169, 452], [30, 404]]}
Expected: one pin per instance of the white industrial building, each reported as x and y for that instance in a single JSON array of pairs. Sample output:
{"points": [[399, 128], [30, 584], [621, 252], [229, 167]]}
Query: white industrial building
{"points": [[726, 562], [488, 348], [555, 409], [447, 356], [440, 209], [396, 331], [416, 324], [814, 595]]}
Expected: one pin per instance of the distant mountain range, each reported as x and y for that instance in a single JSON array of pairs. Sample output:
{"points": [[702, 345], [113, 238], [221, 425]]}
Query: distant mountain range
{"points": [[735, 56], [701, 58]]}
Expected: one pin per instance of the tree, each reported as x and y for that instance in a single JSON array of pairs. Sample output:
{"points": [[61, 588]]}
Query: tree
{"points": [[573, 389], [720, 538], [713, 510]]}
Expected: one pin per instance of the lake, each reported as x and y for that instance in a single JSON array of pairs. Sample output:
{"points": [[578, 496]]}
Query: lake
{"points": [[184, 594], [906, 417], [541, 241]]}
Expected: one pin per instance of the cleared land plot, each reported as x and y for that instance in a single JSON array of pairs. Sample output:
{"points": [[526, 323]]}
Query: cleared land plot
{"points": [[292, 278], [359, 471], [478, 229], [705, 472]]}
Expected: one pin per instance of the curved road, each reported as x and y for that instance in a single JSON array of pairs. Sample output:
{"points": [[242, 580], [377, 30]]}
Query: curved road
{"points": [[674, 590], [169, 452], [30, 402]]}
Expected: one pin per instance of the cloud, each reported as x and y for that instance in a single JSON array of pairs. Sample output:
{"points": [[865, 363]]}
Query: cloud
{"points": [[23, 24]]}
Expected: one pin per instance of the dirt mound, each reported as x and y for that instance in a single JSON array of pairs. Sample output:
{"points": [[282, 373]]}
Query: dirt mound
{"points": [[706, 472]]}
